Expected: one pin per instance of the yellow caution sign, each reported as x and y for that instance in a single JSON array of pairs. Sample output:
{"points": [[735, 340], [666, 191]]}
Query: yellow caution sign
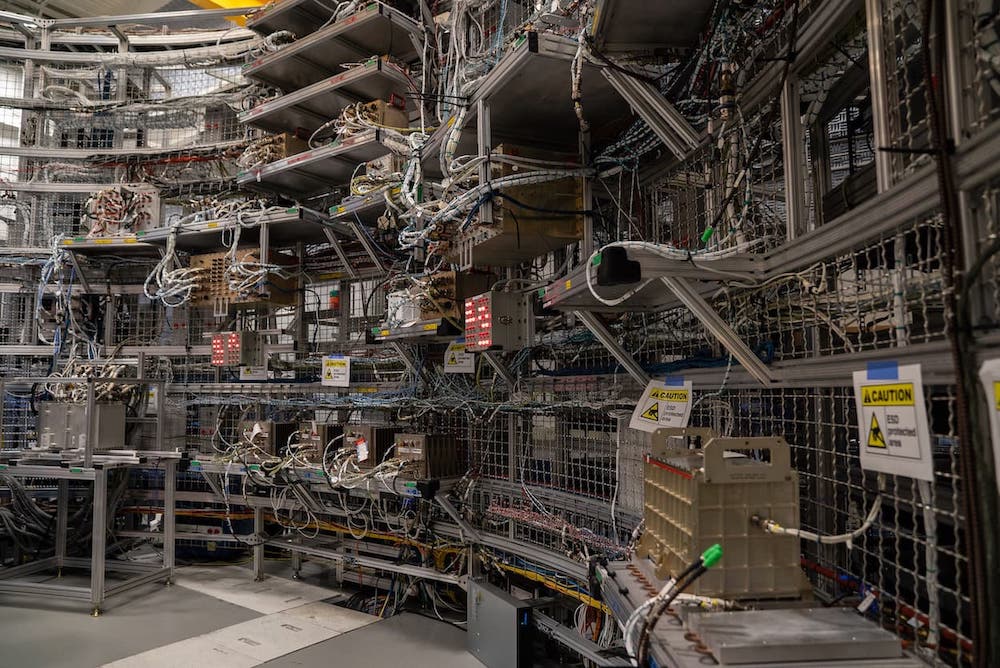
{"points": [[653, 412], [677, 396], [875, 437], [895, 394], [452, 360]]}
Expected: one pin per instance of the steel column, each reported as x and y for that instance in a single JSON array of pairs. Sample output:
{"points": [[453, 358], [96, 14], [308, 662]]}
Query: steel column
{"points": [[169, 516], [62, 517], [98, 539], [880, 108]]}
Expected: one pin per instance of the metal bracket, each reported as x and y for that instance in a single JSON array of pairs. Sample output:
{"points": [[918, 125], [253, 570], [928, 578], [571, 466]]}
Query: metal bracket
{"points": [[661, 116], [708, 316], [363, 238], [470, 531], [601, 333], [339, 250], [500, 367]]}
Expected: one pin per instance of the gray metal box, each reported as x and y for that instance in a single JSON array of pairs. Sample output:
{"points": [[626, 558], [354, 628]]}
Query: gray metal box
{"points": [[796, 634], [63, 425], [499, 631]]}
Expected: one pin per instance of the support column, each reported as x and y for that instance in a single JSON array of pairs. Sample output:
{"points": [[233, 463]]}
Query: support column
{"points": [[62, 518], [258, 548], [169, 516], [98, 540]]}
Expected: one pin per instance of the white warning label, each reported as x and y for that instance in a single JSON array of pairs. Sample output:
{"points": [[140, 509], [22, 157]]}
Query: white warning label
{"points": [[336, 371], [662, 405], [893, 436], [456, 360], [989, 376]]}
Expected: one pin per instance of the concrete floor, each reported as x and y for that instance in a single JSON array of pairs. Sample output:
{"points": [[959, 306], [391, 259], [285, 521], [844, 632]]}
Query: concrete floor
{"points": [[42, 632]]}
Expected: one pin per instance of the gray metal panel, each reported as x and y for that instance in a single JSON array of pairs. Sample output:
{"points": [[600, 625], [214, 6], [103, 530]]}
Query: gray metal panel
{"points": [[629, 25], [313, 171], [379, 30], [314, 105], [495, 621], [765, 636]]}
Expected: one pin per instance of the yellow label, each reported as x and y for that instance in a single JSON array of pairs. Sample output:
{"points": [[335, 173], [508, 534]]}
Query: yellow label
{"points": [[104, 241], [875, 437], [996, 395], [569, 284], [337, 363], [131, 240], [430, 328], [678, 396], [211, 225], [653, 412], [894, 394], [385, 332]]}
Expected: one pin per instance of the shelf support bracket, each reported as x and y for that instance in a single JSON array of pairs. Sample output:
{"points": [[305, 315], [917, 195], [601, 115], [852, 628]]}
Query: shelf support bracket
{"points": [[607, 339], [339, 250], [470, 531], [363, 238], [719, 328], [500, 368], [662, 118]]}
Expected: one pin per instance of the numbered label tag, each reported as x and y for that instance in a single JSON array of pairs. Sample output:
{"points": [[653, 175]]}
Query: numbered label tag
{"points": [[456, 360], [336, 371], [989, 375], [893, 436], [663, 404]]}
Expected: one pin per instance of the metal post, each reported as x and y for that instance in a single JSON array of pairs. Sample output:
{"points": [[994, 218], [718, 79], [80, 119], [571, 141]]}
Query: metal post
{"points": [[161, 413], [88, 450], [62, 517], [880, 108], [791, 139], [296, 562], [484, 140], [258, 548], [602, 334], [169, 516], [587, 197], [98, 539]]}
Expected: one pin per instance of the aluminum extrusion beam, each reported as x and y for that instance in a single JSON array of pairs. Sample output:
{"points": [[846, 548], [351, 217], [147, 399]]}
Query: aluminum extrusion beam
{"points": [[574, 641], [719, 328], [601, 333], [661, 116], [184, 16], [470, 532]]}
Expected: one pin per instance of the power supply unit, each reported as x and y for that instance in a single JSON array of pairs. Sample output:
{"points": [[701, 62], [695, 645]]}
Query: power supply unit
{"points": [[371, 443], [498, 321], [315, 436], [271, 437], [430, 455], [64, 426]]}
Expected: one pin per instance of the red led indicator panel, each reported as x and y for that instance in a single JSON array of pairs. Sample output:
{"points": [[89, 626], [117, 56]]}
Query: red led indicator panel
{"points": [[226, 349], [478, 323]]}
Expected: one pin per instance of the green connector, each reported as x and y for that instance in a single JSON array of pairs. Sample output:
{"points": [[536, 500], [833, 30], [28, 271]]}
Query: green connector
{"points": [[3, 467], [707, 234], [597, 260], [711, 556], [195, 462], [75, 470], [541, 293]]}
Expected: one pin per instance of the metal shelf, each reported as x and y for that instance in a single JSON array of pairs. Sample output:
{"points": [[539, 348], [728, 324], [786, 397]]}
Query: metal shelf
{"points": [[376, 30], [538, 69], [310, 172], [365, 209], [572, 294], [636, 25], [312, 106], [435, 329], [285, 228], [298, 16], [128, 244]]}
